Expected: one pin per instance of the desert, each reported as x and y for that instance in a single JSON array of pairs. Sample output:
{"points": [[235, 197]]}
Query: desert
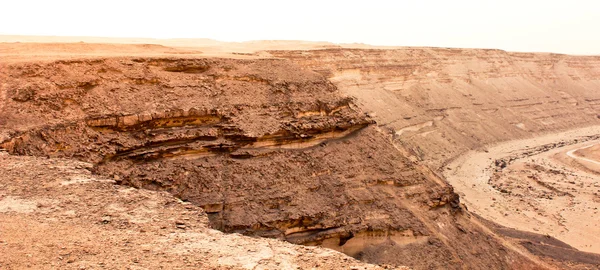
{"points": [[195, 153]]}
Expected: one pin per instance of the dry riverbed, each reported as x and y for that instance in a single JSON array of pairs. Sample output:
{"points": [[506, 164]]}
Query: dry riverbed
{"points": [[543, 185]]}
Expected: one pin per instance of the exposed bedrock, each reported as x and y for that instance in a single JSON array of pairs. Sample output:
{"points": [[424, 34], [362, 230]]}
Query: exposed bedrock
{"points": [[266, 147], [441, 102]]}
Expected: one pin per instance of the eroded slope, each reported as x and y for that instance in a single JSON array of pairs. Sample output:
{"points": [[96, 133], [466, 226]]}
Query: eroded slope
{"points": [[442, 102], [56, 214], [264, 146]]}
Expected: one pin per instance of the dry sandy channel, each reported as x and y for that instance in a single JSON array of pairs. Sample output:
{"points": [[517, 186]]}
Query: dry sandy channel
{"points": [[573, 219]]}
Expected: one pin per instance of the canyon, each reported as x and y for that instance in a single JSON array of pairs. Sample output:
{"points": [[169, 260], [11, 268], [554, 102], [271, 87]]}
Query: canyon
{"points": [[351, 148]]}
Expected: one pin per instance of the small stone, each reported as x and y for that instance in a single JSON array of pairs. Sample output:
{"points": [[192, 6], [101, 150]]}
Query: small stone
{"points": [[180, 224], [106, 219]]}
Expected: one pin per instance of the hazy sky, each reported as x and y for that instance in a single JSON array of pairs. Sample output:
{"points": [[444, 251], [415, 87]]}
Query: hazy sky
{"points": [[517, 25]]}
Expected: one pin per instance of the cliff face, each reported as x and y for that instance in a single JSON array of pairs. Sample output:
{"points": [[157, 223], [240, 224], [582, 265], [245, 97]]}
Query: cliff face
{"points": [[264, 146], [57, 215], [442, 102]]}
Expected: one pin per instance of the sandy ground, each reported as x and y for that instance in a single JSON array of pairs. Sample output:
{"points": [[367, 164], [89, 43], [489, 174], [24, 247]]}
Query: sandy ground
{"points": [[548, 193]]}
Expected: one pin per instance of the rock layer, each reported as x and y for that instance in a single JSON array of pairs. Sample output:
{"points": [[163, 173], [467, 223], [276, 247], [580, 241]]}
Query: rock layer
{"points": [[441, 102], [264, 146]]}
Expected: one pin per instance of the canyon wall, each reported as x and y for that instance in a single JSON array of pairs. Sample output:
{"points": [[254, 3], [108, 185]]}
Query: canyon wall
{"points": [[264, 146], [442, 102]]}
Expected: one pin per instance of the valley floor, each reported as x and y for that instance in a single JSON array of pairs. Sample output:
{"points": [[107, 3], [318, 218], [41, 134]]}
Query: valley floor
{"points": [[543, 185]]}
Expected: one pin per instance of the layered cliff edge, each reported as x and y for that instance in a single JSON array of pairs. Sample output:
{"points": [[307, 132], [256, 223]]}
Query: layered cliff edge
{"points": [[57, 215], [334, 147], [442, 102]]}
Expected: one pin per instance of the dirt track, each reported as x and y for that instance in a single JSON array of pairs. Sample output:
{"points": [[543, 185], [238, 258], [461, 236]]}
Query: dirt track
{"points": [[572, 154]]}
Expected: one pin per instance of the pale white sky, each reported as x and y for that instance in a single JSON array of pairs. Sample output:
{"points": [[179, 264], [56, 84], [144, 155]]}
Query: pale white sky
{"points": [[571, 26]]}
